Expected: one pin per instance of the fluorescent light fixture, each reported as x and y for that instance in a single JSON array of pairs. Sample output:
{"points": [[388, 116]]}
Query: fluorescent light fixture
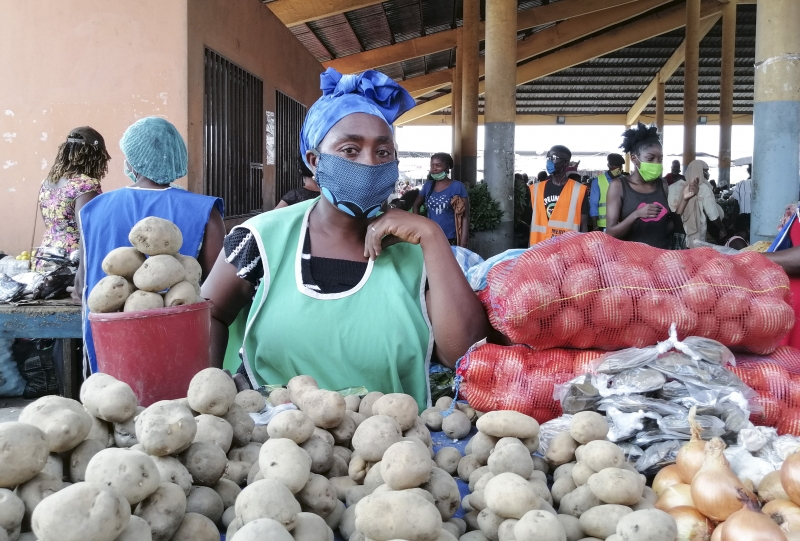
{"points": [[702, 120], [561, 120]]}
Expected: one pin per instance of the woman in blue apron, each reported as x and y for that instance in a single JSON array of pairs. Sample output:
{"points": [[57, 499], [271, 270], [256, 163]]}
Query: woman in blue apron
{"points": [[340, 291]]}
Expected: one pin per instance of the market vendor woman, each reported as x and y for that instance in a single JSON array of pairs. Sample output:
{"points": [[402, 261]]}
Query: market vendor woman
{"points": [[343, 293]]}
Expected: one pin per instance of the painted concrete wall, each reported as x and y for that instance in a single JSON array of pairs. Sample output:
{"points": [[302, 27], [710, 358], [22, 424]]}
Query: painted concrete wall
{"points": [[248, 34], [69, 64]]}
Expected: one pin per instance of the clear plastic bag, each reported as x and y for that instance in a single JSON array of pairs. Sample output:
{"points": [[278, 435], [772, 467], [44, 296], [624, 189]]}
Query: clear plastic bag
{"points": [[756, 438], [615, 362], [701, 373], [621, 425], [678, 426], [673, 391], [551, 429], [747, 466], [632, 452], [657, 456], [634, 381], [709, 350], [576, 395], [656, 435], [634, 402]]}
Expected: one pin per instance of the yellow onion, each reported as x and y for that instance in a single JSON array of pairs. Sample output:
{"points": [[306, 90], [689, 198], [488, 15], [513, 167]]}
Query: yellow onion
{"points": [[750, 524], [666, 477], [691, 455], [790, 477], [679, 495], [692, 525], [785, 514], [716, 535], [770, 488], [715, 488]]}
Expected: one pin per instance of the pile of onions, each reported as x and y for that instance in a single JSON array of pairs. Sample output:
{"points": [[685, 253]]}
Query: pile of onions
{"points": [[679, 495], [691, 456], [692, 525], [749, 524], [716, 489], [665, 478], [784, 513], [770, 488], [790, 477]]}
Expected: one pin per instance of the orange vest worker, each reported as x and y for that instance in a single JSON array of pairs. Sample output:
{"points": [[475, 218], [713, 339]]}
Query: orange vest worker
{"points": [[566, 214]]}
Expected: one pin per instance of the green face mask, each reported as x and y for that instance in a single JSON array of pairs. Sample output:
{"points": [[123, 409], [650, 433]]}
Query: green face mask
{"points": [[650, 171], [439, 176]]}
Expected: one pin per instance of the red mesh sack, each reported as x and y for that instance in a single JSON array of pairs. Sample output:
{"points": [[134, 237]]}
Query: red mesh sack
{"points": [[518, 378], [592, 291], [776, 379]]}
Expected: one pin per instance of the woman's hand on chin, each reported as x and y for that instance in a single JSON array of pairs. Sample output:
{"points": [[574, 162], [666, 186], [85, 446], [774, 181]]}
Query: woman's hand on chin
{"points": [[398, 226]]}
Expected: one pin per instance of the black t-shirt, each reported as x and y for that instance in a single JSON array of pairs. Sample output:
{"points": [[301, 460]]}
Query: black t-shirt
{"points": [[552, 192], [299, 195]]}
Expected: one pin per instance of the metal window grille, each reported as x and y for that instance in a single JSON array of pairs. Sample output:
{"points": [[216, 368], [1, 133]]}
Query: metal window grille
{"points": [[233, 136], [289, 116]]}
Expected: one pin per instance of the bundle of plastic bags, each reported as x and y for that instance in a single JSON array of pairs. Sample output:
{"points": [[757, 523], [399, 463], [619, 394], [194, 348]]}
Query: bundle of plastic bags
{"points": [[591, 291]]}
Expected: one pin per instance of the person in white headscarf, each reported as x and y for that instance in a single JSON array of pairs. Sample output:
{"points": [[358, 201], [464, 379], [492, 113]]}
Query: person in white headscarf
{"points": [[699, 209]]}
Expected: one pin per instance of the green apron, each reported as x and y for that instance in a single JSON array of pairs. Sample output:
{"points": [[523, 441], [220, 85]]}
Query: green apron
{"points": [[377, 335]]}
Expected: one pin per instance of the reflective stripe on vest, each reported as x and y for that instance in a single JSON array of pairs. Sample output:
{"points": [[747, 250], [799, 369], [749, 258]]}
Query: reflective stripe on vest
{"points": [[566, 215], [602, 183]]}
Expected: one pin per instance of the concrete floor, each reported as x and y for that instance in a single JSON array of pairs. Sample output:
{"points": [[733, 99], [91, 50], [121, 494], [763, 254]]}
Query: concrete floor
{"points": [[10, 408]]}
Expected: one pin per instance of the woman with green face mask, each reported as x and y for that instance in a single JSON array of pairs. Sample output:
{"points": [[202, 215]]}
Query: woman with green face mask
{"points": [[637, 206], [446, 200]]}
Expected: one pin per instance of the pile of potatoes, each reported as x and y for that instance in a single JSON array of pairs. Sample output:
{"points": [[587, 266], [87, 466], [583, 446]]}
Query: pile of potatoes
{"points": [[149, 275]]}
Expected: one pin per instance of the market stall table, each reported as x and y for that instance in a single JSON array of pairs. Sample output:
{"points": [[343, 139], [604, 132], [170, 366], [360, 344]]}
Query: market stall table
{"points": [[58, 319]]}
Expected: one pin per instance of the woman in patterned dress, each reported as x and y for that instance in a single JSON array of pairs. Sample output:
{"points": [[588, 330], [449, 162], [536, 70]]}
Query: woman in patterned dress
{"points": [[73, 181]]}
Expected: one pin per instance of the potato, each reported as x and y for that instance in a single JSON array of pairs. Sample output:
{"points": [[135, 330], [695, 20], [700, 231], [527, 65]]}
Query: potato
{"points": [[578, 502], [254, 474], [480, 484], [343, 432], [246, 453], [572, 527], [466, 466], [125, 433], [447, 458], [600, 455], [235, 525], [334, 519], [601, 521], [405, 464], [539, 526], [163, 510], [355, 495], [565, 470], [320, 452], [79, 459], [433, 419], [101, 431], [211, 391], [165, 428], [81, 512], [262, 529], [581, 473], [540, 464], [156, 236], [180, 294], [476, 475], [318, 496], [537, 475], [445, 492], [107, 398], [279, 396], [476, 535], [343, 452], [326, 408], [250, 401], [172, 471], [194, 272], [158, 273], [460, 524], [647, 525], [141, 300], [456, 425], [561, 449], [123, 262], [268, 498], [12, 511], [205, 462], [260, 434], [295, 425], [561, 488], [356, 417], [213, 429], [587, 426], [131, 474], [401, 407], [617, 486], [471, 518], [25, 450], [64, 421], [325, 435], [205, 501], [228, 516], [283, 460], [489, 523], [506, 530], [373, 478], [341, 485], [196, 527], [514, 458], [33, 491], [501, 424], [374, 436], [510, 496], [386, 516], [365, 406], [109, 295], [420, 431], [236, 471], [136, 530]]}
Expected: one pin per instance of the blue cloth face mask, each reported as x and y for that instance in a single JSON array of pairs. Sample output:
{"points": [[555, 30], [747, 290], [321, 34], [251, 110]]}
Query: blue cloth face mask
{"points": [[550, 167], [355, 188], [129, 172]]}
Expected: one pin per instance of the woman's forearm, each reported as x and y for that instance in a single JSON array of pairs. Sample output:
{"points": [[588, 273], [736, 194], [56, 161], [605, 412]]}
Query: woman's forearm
{"points": [[681, 205], [219, 343], [621, 229]]}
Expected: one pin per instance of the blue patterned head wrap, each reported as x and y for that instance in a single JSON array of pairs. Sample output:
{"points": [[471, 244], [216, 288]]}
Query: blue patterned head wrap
{"points": [[370, 92], [155, 150]]}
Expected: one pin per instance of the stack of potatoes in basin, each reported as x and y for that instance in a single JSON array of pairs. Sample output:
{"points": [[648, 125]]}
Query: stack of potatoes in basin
{"points": [[149, 275]]}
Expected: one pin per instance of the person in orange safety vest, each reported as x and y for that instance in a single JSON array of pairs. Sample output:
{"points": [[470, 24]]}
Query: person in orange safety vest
{"points": [[559, 203]]}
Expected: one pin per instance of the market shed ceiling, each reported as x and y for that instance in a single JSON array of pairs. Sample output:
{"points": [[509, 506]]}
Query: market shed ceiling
{"points": [[413, 41]]}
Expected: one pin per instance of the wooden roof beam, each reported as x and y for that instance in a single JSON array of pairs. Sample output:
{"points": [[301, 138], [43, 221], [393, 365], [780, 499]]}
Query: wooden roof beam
{"points": [[440, 41], [619, 38], [670, 67], [421, 85], [294, 12]]}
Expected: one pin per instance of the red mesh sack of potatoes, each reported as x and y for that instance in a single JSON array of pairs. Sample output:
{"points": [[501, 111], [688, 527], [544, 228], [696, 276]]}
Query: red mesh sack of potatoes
{"points": [[592, 291], [518, 378]]}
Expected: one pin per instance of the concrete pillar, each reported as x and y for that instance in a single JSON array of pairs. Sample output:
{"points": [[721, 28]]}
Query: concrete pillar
{"points": [[455, 110], [776, 115], [661, 97], [690, 74], [469, 93], [500, 111], [726, 91]]}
